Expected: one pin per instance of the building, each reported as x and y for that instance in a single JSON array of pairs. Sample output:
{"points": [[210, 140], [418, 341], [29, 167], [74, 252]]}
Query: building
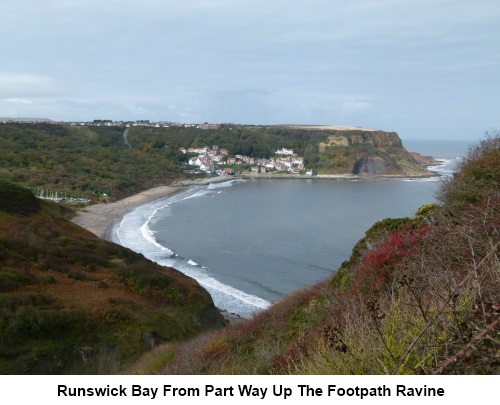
{"points": [[284, 151]]}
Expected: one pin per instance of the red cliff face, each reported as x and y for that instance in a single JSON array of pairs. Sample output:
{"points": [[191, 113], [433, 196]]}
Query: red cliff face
{"points": [[383, 139]]}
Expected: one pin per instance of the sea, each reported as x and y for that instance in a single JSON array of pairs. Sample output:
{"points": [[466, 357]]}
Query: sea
{"points": [[251, 242]]}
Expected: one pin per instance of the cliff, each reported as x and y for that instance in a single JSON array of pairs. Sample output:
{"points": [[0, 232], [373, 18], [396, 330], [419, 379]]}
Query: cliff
{"points": [[325, 149], [367, 152]]}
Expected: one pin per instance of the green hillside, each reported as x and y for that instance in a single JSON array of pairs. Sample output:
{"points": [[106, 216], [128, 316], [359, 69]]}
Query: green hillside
{"points": [[326, 151], [71, 303], [79, 161], [95, 162]]}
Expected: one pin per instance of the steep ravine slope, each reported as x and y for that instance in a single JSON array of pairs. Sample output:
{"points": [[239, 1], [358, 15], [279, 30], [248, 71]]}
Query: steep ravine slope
{"points": [[71, 303]]}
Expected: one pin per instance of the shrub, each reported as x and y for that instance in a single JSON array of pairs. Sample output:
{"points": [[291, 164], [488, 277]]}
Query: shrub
{"points": [[17, 200], [476, 180], [11, 278]]}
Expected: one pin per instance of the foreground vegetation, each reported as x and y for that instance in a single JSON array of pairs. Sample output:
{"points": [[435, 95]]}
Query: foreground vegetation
{"points": [[71, 303], [418, 296]]}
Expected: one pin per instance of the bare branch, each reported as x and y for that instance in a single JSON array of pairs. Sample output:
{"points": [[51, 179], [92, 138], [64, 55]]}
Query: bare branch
{"points": [[462, 352]]}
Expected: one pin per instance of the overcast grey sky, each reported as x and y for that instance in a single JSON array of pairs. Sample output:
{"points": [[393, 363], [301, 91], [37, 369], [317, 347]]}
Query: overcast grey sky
{"points": [[423, 68]]}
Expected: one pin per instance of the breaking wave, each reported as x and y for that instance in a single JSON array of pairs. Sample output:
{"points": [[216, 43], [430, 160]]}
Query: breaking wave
{"points": [[135, 233]]}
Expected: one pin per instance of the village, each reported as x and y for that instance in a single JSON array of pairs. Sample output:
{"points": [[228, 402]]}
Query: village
{"points": [[214, 160]]}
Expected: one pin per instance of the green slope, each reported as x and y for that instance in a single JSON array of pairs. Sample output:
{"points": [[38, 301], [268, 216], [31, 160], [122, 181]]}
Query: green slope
{"points": [[71, 303]]}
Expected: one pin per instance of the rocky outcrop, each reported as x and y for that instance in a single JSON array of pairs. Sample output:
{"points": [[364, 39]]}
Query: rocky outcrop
{"points": [[379, 153], [372, 166], [424, 160], [365, 152]]}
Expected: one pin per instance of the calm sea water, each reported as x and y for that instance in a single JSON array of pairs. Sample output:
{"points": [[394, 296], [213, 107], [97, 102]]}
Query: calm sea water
{"points": [[251, 242]]}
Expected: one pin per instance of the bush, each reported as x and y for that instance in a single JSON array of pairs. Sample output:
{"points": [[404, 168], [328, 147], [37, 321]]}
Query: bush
{"points": [[17, 200], [11, 278], [477, 179]]}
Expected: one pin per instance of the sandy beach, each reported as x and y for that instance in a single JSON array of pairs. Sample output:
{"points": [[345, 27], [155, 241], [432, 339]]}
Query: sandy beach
{"points": [[100, 218]]}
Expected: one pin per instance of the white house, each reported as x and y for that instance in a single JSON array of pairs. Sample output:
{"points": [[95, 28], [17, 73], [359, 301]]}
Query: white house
{"points": [[284, 151]]}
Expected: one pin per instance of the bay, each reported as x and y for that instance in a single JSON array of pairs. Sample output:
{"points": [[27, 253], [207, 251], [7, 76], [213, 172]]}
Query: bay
{"points": [[249, 243]]}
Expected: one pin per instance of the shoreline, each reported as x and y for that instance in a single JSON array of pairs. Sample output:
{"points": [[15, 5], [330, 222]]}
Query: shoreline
{"points": [[101, 218], [285, 176]]}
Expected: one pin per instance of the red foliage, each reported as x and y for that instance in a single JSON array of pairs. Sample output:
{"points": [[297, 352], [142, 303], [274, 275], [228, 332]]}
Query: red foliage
{"points": [[301, 347], [377, 265], [282, 362]]}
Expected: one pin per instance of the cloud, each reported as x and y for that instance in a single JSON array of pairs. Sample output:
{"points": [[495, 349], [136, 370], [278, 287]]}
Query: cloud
{"points": [[356, 107], [260, 61], [18, 101], [17, 86]]}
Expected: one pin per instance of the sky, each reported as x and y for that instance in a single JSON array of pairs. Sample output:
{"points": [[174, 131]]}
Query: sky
{"points": [[423, 68]]}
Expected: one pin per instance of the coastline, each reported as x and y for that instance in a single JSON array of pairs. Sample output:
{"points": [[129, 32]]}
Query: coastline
{"points": [[287, 176], [100, 218]]}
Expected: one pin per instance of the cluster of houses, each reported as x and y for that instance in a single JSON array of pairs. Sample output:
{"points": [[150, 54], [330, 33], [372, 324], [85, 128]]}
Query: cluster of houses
{"points": [[111, 123], [209, 159], [143, 123]]}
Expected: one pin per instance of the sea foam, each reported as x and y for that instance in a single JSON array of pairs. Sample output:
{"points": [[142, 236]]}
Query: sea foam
{"points": [[134, 232]]}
